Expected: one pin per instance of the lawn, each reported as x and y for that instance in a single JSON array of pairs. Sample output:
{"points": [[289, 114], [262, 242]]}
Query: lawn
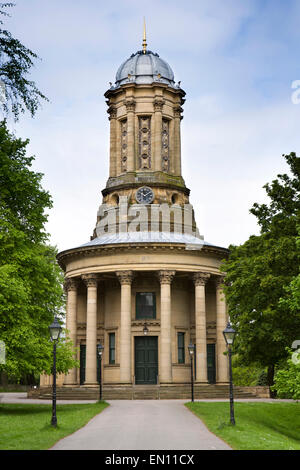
{"points": [[259, 426], [27, 427]]}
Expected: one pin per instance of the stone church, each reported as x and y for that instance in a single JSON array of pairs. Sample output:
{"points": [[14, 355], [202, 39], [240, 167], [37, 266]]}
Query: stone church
{"points": [[145, 287]]}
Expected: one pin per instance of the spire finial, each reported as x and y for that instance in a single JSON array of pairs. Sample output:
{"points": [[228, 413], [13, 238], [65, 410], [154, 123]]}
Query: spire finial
{"points": [[144, 38]]}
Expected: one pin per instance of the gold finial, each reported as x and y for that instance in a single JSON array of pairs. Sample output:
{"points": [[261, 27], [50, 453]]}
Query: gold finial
{"points": [[144, 39]]}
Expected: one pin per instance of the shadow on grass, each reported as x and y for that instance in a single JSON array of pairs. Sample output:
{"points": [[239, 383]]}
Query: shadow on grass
{"points": [[26, 410]]}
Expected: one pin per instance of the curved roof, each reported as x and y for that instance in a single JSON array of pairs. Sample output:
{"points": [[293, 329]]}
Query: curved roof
{"points": [[191, 242], [145, 68]]}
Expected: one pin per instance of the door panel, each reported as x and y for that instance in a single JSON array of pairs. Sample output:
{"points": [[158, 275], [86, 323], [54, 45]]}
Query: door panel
{"points": [[211, 363], [146, 360]]}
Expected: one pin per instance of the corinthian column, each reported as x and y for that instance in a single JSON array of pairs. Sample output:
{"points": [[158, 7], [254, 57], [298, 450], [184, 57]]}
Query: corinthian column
{"points": [[200, 279], [91, 281], [177, 140], [157, 147], [125, 278], [71, 286], [112, 110], [165, 279], [221, 321], [130, 107]]}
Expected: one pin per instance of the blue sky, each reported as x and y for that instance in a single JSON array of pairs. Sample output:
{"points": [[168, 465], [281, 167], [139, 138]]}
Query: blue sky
{"points": [[236, 60]]}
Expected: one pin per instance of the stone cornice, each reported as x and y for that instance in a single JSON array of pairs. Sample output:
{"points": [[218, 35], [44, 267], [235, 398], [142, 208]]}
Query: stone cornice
{"points": [[114, 91], [61, 257], [154, 184]]}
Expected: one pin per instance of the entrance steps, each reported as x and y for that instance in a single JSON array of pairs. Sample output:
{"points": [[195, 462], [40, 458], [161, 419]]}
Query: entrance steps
{"points": [[145, 392]]}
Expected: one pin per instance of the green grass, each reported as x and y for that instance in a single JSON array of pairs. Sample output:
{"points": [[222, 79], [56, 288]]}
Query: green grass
{"points": [[27, 427], [259, 426]]}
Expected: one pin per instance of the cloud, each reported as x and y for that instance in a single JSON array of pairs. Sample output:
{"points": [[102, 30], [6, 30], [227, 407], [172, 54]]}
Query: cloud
{"points": [[236, 61]]}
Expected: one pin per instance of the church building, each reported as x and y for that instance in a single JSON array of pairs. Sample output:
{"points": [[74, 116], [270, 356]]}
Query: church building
{"points": [[146, 285]]}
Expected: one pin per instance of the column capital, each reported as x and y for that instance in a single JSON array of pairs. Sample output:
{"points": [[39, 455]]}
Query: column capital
{"points": [[112, 111], [166, 277], [125, 277], [71, 284], [158, 104], [201, 278], [90, 280], [177, 111], [130, 104], [219, 281]]}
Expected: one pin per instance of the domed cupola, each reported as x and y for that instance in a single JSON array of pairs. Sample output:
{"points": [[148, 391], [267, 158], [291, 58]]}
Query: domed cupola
{"points": [[145, 67]]}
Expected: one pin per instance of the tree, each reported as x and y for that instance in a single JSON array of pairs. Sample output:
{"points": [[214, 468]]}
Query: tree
{"points": [[30, 279], [287, 380], [259, 272], [18, 93]]}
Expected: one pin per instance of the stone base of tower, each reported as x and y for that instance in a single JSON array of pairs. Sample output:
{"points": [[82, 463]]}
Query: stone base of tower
{"points": [[151, 392]]}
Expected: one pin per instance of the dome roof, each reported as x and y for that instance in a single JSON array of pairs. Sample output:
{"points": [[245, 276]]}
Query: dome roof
{"points": [[145, 67]]}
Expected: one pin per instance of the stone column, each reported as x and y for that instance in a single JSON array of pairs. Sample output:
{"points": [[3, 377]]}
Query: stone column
{"points": [[130, 107], [200, 279], [221, 322], [71, 287], [157, 141], [112, 110], [165, 279], [177, 140], [125, 278], [91, 281]]}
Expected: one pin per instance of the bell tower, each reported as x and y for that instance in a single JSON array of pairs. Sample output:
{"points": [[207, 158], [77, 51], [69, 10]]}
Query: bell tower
{"points": [[145, 110]]}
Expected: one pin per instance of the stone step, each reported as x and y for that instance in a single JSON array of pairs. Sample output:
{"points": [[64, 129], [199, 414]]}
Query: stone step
{"points": [[141, 392]]}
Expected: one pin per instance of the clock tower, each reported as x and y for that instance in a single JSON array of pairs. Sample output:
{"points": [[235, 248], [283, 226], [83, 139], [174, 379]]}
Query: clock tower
{"points": [[145, 112]]}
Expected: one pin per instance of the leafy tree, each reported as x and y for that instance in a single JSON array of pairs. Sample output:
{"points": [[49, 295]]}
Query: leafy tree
{"points": [[259, 272], [18, 93], [30, 279], [287, 380]]}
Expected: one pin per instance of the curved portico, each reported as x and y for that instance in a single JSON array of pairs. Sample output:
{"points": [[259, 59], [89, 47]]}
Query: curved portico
{"points": [[103, 283]]}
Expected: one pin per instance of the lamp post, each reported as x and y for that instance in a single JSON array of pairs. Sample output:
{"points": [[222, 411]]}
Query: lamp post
{"points": [[100, 352], [191, 348], [55, 330], [229, 335]]}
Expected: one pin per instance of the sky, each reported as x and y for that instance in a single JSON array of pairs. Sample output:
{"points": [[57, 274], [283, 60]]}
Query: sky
{"points": [[236, 60]]}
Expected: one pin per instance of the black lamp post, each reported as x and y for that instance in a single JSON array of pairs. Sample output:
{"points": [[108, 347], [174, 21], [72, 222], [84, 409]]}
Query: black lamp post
{"points": [[100, 352], [145, 329], [55, 330], [229, 335], [191, 348]]}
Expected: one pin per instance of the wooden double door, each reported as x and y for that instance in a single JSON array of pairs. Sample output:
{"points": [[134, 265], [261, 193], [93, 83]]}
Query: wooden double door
{"points": [[146, 360]]}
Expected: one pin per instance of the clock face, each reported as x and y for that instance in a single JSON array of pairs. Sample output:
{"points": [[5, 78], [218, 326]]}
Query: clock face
{"points": [[144, 195]]}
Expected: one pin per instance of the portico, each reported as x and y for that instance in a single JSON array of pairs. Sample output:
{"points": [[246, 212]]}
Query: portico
{"points": [[187, 307]]}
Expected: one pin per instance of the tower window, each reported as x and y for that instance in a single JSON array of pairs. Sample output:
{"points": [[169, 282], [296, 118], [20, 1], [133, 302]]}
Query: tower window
{"points": [[145, 305]]}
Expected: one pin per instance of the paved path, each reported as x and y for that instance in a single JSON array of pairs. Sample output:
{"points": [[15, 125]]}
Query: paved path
{"points": [[143, 425]]}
